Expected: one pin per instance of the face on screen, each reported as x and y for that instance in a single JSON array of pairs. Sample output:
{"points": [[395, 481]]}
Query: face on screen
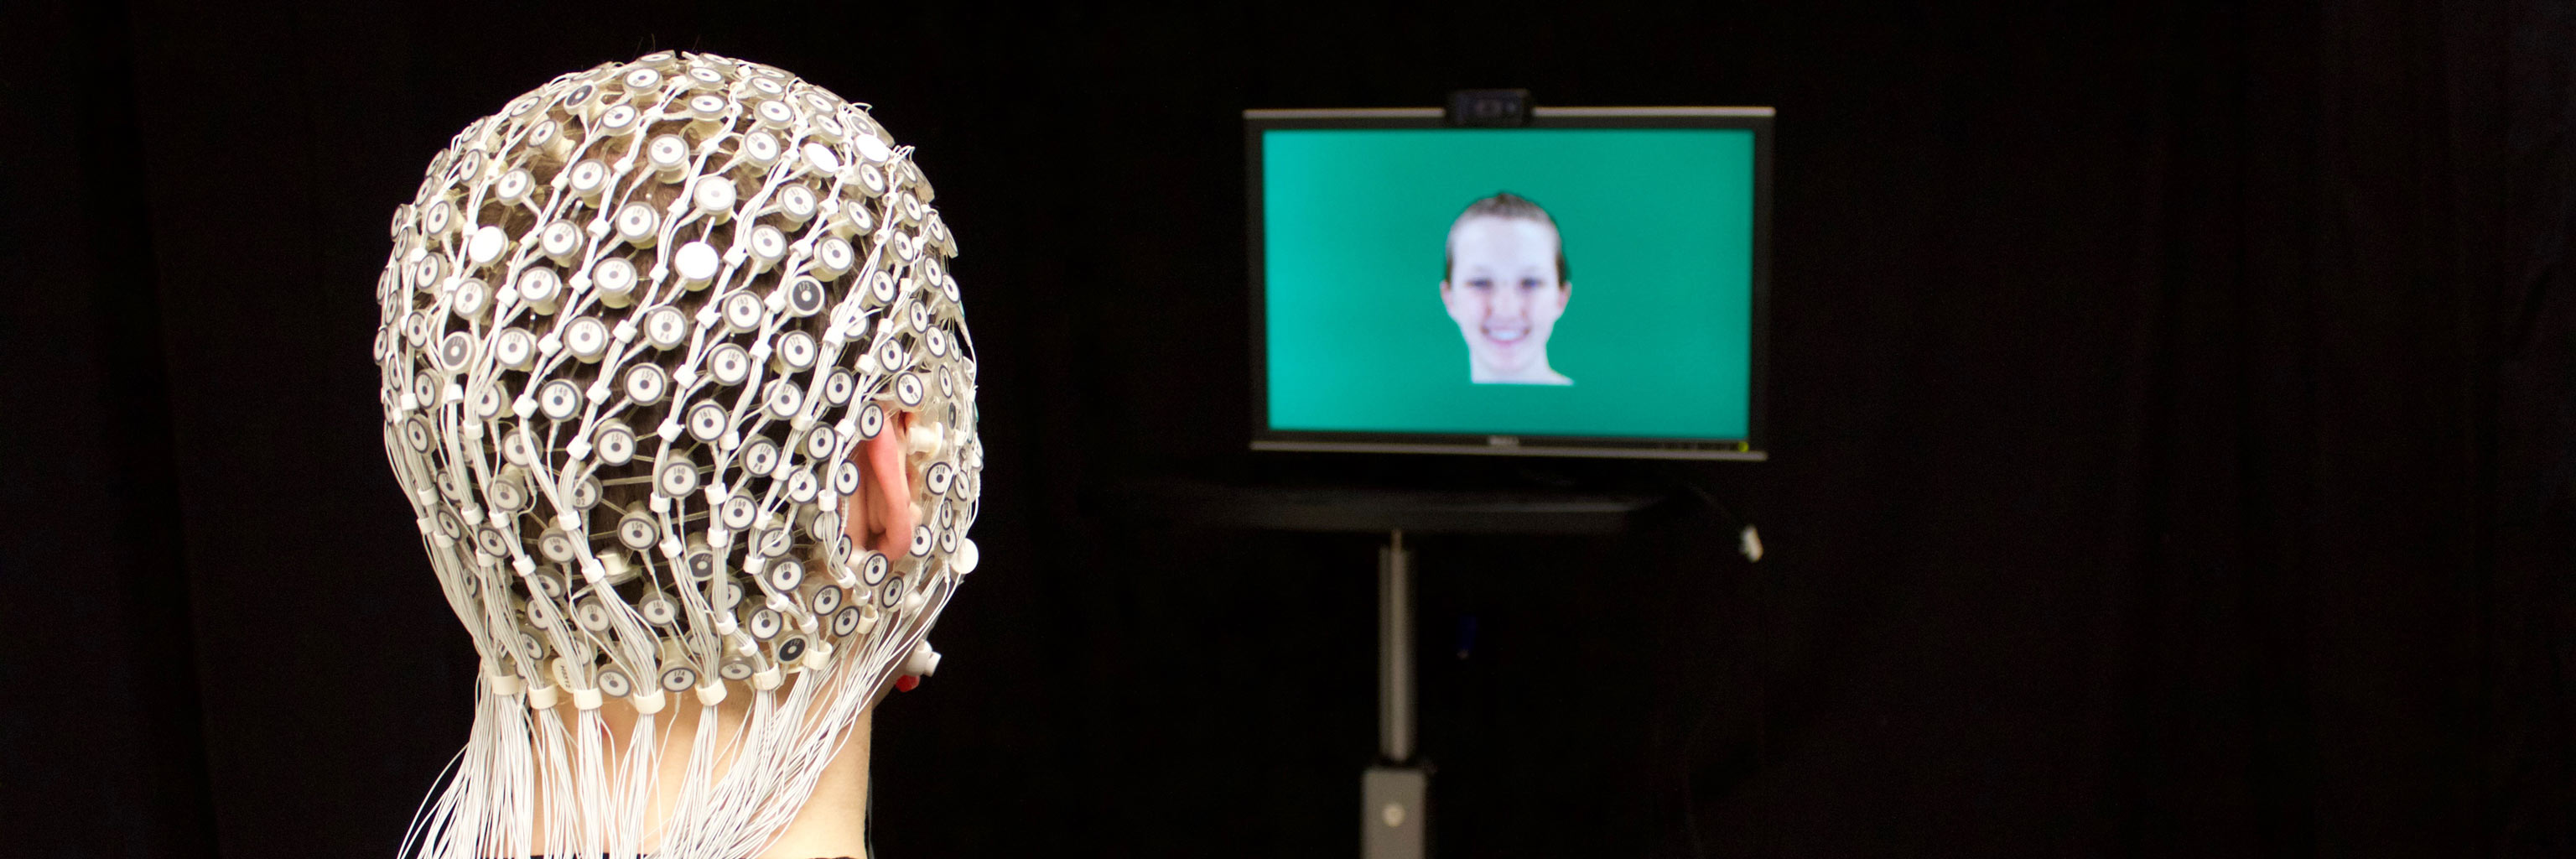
{"points": [[1504, 294]]}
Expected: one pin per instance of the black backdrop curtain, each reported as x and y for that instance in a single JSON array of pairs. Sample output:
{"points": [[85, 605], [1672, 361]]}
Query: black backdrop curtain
{"points": [[2172, 415]]}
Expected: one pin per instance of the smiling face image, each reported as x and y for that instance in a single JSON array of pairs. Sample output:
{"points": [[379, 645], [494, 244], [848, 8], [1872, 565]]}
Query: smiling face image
{"points": [[1506, 289]]}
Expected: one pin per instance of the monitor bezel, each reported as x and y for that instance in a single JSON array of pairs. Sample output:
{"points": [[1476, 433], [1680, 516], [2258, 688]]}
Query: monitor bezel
{"points": [[1749, 448]]}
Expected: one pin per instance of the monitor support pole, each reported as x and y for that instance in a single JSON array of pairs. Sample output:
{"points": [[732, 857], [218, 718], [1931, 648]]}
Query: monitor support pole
{"points": [[1394, 815], [1393, 819], [1395, 650]]}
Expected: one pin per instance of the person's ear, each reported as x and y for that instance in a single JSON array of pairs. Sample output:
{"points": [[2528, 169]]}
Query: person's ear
{"points": [[1564, 293], [880, 514]]}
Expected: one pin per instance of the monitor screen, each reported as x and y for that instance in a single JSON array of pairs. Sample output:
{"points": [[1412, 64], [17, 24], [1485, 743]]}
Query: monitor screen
{"points": [[1591, 284]]}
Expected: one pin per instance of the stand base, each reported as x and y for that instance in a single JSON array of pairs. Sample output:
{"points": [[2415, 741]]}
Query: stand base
{"points": [[1393, 818]]}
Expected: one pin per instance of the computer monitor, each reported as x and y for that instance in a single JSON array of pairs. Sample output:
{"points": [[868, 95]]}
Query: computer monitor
{"points": [[1590, 284]]}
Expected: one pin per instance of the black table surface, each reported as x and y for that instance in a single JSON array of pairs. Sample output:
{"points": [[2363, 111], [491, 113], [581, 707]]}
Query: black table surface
{"points": [[1204, 503]]}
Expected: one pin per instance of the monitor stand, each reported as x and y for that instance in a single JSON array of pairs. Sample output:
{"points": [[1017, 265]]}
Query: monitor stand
{"points": [[1394, 816], [1393, 813]]}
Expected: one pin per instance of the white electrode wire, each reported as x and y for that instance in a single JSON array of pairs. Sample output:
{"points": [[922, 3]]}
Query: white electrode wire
{"points": [[420, 816], [546, 784]]}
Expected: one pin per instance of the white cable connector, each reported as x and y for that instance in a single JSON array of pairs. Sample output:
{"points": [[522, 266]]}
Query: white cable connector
{"points": [[922, 662]]}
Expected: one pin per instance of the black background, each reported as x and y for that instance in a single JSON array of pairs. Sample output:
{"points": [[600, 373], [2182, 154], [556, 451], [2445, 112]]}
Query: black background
{"points": [[2171, 419]]}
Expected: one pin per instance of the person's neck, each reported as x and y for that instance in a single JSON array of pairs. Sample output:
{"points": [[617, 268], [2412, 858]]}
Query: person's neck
{"points": [[833, 822], [1535, 373]]}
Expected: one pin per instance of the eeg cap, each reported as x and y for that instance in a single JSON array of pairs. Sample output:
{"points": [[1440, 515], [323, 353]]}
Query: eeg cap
{"points": [[634, 328]]}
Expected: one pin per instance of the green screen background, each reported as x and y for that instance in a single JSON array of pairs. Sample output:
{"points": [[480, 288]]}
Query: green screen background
{"points": [[1658, 230]]}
